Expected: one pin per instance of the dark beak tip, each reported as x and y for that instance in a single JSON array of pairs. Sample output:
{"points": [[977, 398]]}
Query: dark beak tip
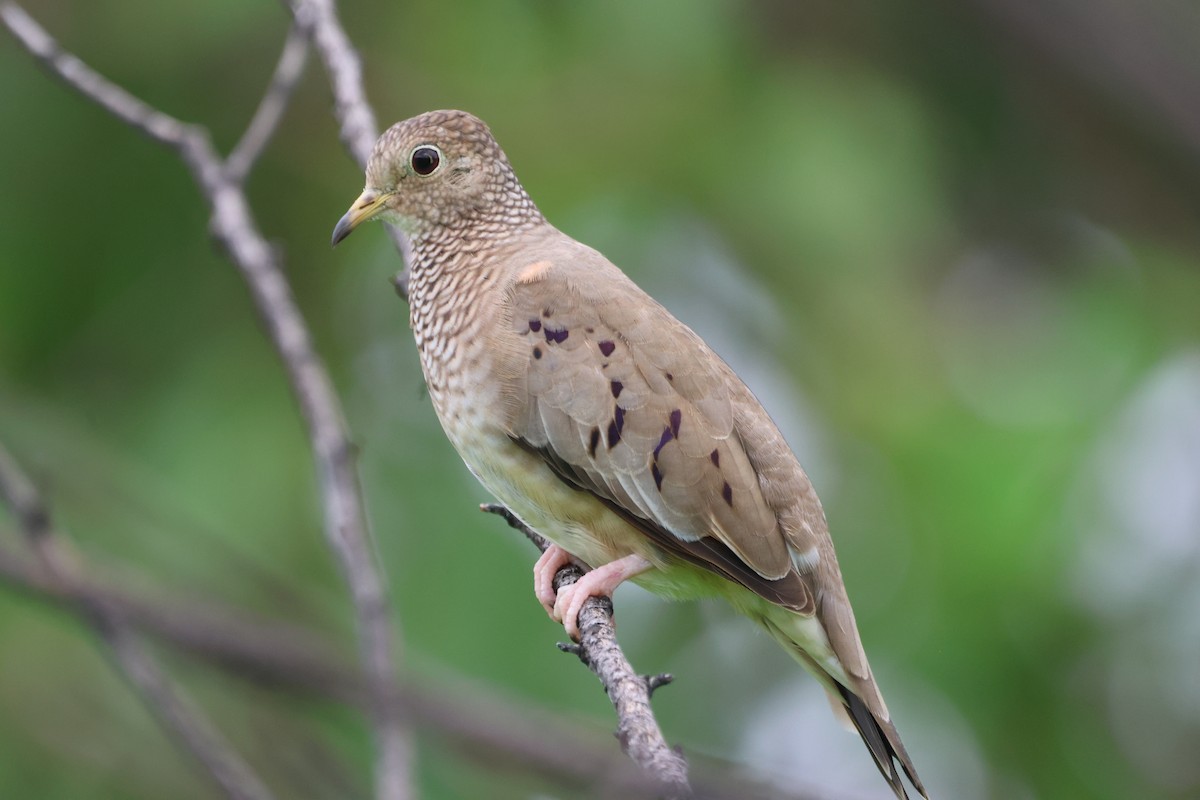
{"points": [[340, 231]]}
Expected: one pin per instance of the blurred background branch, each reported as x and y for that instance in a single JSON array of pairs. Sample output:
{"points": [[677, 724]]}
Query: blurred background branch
{"points": [[178, 714]]}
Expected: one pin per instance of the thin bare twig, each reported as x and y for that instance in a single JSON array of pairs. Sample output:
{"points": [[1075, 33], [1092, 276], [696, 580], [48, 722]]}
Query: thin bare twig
{"points": [[356, 119], [271, 108], [232, 225], [182, 718], [637, 729]]}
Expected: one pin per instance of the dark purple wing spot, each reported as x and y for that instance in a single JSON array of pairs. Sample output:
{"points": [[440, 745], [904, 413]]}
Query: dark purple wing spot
{"points": [[666, 437], [546, 312], [615, 427], [537, 352], [535, 325], [657, 473], [676, 418], [593, 442], [715, 457], [670, 377], [616, 387], [556, 335], [607, 347], [727, 493]]}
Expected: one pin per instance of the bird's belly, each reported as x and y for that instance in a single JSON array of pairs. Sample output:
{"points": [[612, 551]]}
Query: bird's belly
{"points": [[575, 520]]}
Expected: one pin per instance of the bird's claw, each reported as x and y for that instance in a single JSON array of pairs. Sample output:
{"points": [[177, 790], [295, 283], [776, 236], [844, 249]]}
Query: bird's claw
{"points": [[548, 564], [569, 603]]}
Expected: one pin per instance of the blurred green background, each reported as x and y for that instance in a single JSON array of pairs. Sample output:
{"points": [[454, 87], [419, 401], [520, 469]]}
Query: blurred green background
{"points": [[954, 247]]}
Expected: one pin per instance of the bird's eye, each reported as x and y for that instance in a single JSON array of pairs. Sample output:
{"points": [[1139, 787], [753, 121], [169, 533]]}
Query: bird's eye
{"points": [[425, 160]]}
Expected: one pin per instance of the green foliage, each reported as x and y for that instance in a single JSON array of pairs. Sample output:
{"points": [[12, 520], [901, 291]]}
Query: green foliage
{"points": [[955, 296]]}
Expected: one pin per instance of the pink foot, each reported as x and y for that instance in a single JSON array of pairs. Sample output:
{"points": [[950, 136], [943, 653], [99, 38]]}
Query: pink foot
{"points": [[548, 564], [600, 582]]}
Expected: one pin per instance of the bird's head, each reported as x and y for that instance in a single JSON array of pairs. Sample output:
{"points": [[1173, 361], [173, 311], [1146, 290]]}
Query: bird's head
{"points": [[439, 169]]}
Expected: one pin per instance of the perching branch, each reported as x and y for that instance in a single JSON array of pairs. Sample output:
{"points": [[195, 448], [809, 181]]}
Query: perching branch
{"points": [[637, 729], [182, 718], [232, 225]]}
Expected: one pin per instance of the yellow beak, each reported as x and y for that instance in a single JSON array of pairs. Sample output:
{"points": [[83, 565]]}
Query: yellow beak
{"points": [[366, 207]]}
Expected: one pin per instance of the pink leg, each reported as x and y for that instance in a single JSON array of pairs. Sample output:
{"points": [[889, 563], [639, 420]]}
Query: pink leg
{"points": [[597, 583], [550, 562]]}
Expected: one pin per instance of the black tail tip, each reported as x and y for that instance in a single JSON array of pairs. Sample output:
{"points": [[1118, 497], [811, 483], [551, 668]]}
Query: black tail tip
{"points": [[884, 746]]}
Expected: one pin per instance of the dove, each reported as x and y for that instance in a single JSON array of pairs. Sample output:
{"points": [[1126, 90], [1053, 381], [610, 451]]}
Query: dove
{"points": [[603, 422]]}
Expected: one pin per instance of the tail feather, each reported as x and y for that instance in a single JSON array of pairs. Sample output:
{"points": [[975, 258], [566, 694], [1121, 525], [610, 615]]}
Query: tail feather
{"points": [[884, 744], [799, 635]]}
